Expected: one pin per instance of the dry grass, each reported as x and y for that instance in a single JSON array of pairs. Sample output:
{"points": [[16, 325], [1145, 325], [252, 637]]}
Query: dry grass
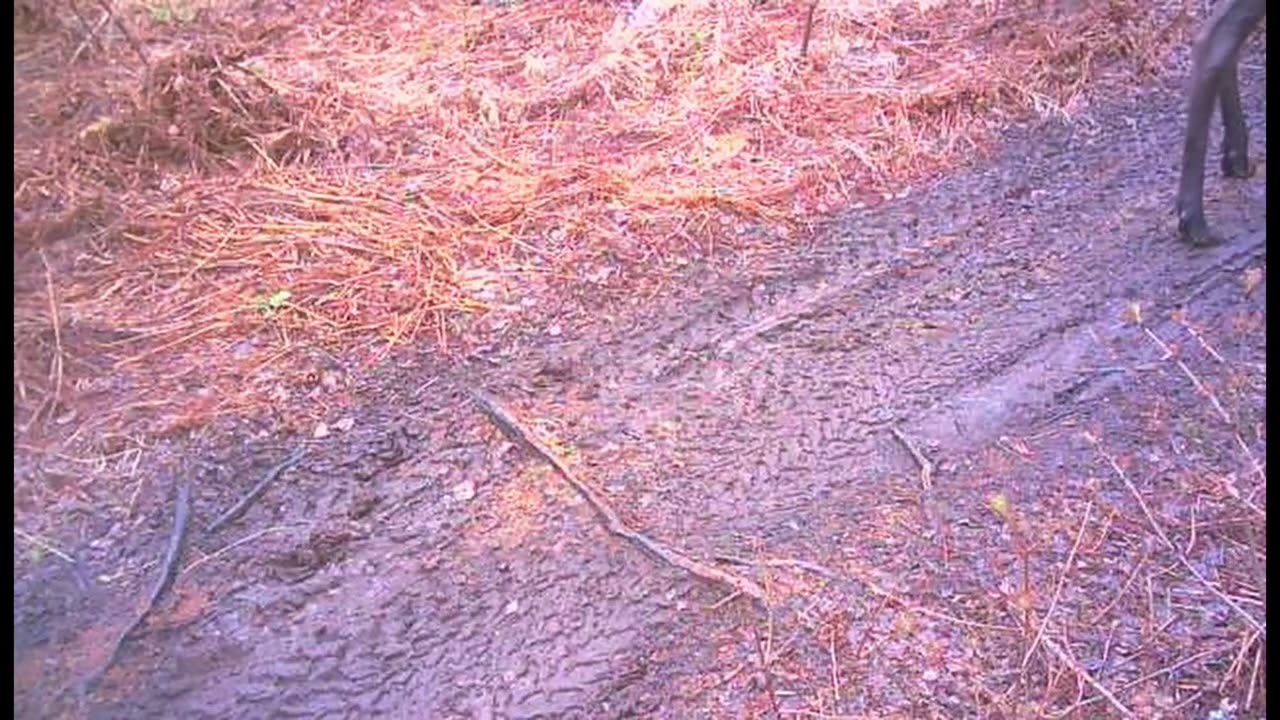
{"points": [[361, 176]]}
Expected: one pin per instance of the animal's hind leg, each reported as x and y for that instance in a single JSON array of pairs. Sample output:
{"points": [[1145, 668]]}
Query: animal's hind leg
{"points": [[1205, 81], [1213, 77], [1235, 139]]}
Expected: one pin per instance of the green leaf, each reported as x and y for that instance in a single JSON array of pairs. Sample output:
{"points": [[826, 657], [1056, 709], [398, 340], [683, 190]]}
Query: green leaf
{"points": [[271, 304]]}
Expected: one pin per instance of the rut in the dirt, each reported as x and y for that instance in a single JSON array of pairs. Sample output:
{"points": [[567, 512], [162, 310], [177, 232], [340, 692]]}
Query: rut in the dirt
{"points": [[424, 567]]}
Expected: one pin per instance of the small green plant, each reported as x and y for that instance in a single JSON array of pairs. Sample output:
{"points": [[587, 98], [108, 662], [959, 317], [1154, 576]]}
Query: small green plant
{"points": [[168, 12], [269, 305]]}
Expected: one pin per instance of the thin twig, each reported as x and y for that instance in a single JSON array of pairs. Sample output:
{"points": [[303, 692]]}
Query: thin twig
{"points": [[56, 365], [514, 429], [1148, 677], [929, 510], [806, 307], [1233, 669], [765, 660], [124, 30], [1133, 575], [1253, 677], [808, 28], [1057, 591], [724, 600], [1195, 380], [728, 678], [871, 585], [1164, 538], [835, 668], [229, 547], [1203, 343], [42, 544], [84, 25], [91, 36], [1086, 677], [817, 715], [1186, 703], [926, 467], [1258, 467], [256, 491]]}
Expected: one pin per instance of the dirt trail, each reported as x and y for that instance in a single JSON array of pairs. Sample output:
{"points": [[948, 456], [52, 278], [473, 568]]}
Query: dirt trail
{"points": [[425, 567]]}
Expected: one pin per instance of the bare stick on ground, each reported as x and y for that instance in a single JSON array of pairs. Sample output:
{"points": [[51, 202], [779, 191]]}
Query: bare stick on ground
{"points": [[514, 429], [56, 366], [90, 33], [230, 546], [44, 545], [256, 491], [815, 304], [766, 657], [809, 306], [168, 572], [926, 467], [808, 28], [928, 506]]}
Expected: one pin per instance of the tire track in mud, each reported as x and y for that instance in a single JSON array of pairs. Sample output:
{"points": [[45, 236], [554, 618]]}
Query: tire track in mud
{"points": [[983, 314], [477, 589]]}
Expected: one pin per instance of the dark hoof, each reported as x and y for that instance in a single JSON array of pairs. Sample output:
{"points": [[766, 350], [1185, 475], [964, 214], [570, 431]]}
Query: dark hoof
{"points": [[1237, 165], [1195, 232]]}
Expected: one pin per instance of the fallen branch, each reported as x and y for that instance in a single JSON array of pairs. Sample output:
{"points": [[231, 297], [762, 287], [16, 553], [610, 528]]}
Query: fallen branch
{"points": [[512, 428], [168, 572], [256, 491]]}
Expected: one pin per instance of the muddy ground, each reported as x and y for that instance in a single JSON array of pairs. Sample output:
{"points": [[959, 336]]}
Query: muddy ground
{"points": [[421, 564]]}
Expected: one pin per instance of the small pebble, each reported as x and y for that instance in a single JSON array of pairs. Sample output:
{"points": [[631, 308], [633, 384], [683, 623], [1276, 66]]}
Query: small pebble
{"points": [[464, 491]]}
